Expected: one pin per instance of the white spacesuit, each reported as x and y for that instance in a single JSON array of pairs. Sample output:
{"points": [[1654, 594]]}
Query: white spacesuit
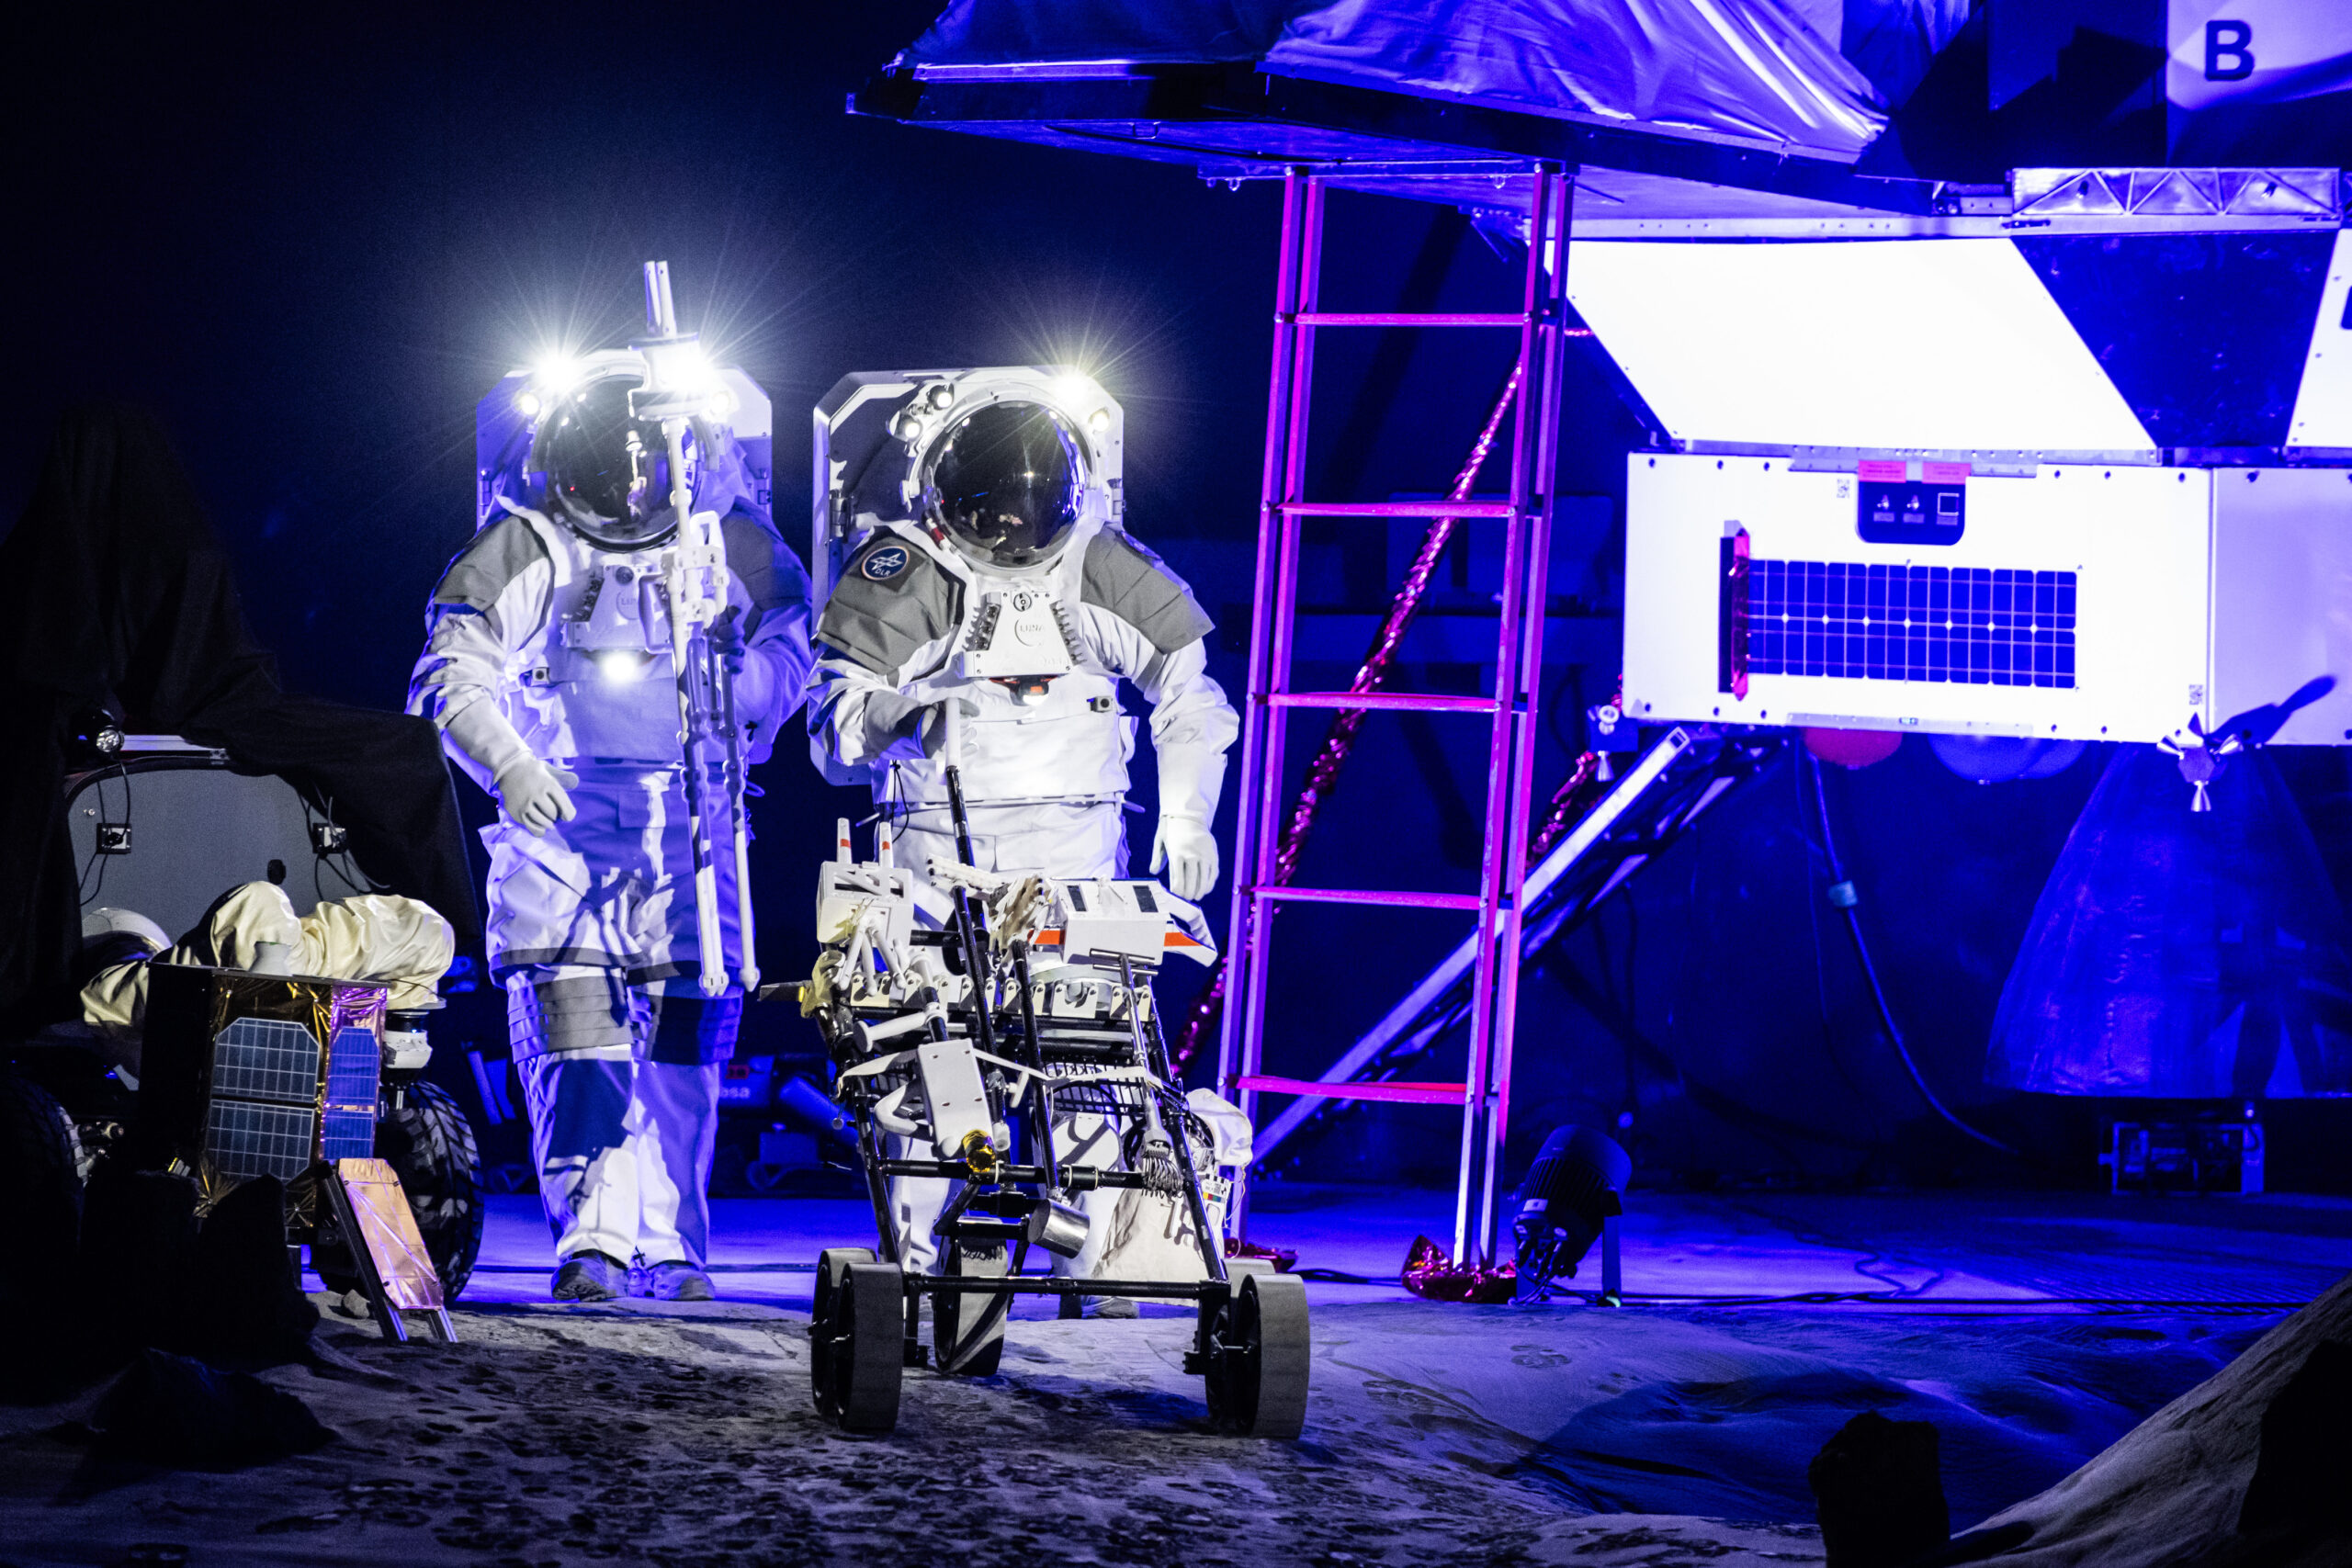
{"points": [[994, 635], [547, 667]]}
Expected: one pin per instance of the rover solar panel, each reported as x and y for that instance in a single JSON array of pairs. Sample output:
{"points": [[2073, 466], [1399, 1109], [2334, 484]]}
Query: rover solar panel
{"points": [[350, 1129], [262, 1116]]}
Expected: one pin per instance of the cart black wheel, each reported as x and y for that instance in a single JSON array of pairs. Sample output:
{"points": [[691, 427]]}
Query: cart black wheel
{"points": [[1258, 1357], [968, 1331], [856, 1352], [831, 1264], [41, 1181]]}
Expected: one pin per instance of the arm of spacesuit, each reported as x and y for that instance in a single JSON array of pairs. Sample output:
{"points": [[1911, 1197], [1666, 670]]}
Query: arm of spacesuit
{"points": [[459, 678], [772, 676], [858, 717], [1147, 627], [1192, 726], [892, 614]]}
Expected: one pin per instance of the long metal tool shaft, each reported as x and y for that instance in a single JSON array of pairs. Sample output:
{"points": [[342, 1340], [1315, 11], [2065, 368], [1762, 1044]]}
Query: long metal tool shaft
{"points": [[696, 576], [690, 647]]}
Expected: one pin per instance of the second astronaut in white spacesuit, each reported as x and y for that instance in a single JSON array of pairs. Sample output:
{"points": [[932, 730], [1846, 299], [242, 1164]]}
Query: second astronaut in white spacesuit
{"points": [[993, 634], [548, 666]]}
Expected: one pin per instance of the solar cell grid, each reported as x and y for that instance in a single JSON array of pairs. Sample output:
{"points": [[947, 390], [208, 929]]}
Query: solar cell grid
{"points": [[348, 1135], [266, 1058], [242, 1138], [352, 1067], [1976, 625]]}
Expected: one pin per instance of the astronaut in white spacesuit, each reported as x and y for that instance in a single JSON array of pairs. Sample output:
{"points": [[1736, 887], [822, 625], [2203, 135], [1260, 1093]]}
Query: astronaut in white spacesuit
{"points": [[548, 666], [992, 633]]}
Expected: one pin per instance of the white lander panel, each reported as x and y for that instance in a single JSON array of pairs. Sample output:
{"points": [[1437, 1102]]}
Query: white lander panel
{"points": [[2072, 604], [2282, 596]]}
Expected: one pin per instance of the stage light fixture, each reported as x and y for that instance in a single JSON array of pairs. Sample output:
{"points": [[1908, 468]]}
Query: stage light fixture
{"points": [[1576, 1185]]}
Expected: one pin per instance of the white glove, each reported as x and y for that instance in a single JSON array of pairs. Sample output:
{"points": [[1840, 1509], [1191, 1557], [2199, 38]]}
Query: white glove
{"points": [[535, 795], [1187, 849], [941, 726]]}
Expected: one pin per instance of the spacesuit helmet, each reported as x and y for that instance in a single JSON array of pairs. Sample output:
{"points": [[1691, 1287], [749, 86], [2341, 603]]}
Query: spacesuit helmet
{"points": [[1006, 482], [608, 473]]}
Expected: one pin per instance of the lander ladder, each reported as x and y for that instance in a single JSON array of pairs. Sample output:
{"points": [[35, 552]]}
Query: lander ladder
{"points": [[1526, 517]]}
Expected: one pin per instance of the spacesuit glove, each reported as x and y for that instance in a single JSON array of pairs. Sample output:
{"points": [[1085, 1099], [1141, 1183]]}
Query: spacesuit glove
{"points": [[535, 794], [751, 671], [726, 638], [939, 721], [1187, 849]]}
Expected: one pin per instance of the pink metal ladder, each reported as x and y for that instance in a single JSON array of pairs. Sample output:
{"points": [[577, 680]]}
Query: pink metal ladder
{"points": [[1526, 518]]}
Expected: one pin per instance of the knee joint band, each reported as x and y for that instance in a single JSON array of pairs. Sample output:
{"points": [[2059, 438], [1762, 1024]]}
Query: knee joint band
{"points": [[586, 1012]]}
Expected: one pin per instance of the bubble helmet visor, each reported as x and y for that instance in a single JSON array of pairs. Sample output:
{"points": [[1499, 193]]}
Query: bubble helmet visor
{"points": [[1006, 482], [608, 474]]}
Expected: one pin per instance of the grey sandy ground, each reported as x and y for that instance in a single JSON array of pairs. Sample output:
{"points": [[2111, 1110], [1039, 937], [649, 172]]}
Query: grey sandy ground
{"points": [[685, 1435]]}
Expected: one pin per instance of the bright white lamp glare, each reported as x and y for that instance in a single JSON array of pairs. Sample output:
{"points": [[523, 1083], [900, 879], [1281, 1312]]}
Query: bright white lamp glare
{"points": [[1073, 388], [527, 404], [554, 376], [619, 665], [680, 365]]}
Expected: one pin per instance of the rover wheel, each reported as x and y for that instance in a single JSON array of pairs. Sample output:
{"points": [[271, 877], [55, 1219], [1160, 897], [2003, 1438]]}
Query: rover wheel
{"points": [[1258, 1357], [41, 1180], [968, 1331], [856, 1353], [831, 1264]]}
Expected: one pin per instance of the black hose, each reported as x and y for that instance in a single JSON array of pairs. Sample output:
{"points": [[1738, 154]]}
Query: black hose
{"points": [[1870, 973]]}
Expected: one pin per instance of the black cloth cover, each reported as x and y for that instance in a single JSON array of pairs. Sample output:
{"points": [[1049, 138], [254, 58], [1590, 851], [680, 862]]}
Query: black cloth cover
{"points": [[2178, 954], [117, 594]]}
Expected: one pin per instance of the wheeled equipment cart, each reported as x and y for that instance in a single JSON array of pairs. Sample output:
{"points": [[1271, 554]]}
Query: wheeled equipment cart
{"points": [[1016, 1054]]}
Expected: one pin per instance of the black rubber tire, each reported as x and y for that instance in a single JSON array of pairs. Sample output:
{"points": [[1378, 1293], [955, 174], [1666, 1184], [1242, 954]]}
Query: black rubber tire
{"points": [[967, 1332], [430, 1146], [41, 1186], [831, 1264], [857, 1354], [1259, 1354]]}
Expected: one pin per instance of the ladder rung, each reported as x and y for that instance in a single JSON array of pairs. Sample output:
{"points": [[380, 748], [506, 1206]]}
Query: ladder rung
{"points": [[1407, 319], [1369, 896], [1411, 1093], [1384, 702], [1395, 508]]}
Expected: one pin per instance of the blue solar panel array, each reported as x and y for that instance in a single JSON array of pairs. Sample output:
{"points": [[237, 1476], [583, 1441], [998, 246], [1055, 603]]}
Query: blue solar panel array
{"points": [[264, 1114], [243, 1138], [353, 1058], [1970, 626]]}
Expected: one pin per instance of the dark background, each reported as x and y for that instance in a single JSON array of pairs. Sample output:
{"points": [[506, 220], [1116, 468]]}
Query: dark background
{"points": [[312, 244]]}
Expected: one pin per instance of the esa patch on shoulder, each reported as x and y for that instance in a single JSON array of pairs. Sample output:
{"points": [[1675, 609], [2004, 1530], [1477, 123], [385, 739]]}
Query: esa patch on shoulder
{"points": [[883, 564]]}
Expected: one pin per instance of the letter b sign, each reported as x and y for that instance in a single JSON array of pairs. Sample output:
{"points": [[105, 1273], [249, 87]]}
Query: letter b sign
{"points": [[2229, 52]]}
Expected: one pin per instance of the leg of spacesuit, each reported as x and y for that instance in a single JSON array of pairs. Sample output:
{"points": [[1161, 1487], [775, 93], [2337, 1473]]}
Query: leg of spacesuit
{"points": [[1091, 1141], [915, 1206], [575, 1046], [676, 1118]]}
